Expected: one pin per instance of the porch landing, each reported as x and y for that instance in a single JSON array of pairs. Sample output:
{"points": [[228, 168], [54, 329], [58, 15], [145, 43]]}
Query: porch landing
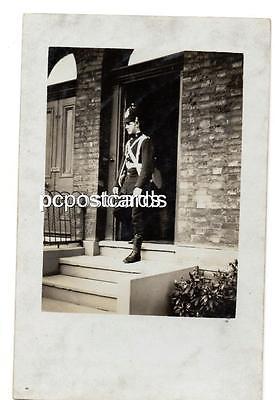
{"points": [[104, 284]]}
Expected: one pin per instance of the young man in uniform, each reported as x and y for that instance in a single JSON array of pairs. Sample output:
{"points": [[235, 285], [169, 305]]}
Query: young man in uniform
{"points": [[134, 176]]}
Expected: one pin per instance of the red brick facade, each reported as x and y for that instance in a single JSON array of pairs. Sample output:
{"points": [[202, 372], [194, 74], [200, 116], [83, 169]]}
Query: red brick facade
{"points": [[209, 154], [210, 149], [87, 127]]}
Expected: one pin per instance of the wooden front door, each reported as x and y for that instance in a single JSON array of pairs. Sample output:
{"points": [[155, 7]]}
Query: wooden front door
{"points": [[59, 145]]}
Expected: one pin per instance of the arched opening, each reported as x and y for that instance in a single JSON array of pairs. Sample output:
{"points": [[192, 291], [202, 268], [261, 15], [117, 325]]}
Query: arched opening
{"points": [[146, 54], [63, 71], [139, 56]]}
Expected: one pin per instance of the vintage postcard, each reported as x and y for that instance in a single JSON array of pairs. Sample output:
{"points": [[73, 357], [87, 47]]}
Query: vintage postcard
{"points": [[142, 203]]}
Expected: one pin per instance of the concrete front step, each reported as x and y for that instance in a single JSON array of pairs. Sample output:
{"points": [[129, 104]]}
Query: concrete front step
{"points": [[106, 289], [111, 269], [52, 305], [102, 263], [93, 273], [150, 251], [86, 292]]}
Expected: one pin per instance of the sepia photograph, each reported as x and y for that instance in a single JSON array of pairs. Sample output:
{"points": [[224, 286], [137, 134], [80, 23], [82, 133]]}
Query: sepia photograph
{"points": [[167, 131], [141, 207]]}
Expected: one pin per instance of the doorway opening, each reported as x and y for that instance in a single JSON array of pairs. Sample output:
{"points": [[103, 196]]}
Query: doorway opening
{"points": [[157, 100]]}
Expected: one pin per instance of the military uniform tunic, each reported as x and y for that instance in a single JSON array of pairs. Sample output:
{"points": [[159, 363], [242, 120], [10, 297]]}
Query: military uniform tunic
{"points": [[135, 175]]}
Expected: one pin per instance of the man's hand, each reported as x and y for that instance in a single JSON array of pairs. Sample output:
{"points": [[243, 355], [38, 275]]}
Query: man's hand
{"points": [[115, 190], [137, 191]]}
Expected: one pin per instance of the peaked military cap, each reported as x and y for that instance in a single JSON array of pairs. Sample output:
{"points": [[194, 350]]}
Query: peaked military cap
{"points": [[131, 114]]}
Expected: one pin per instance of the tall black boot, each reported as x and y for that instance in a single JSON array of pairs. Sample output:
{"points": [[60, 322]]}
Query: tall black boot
{"points": [[134, 256]]}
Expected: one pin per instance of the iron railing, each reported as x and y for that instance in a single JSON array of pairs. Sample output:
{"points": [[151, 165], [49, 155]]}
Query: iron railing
{"points": [[61, 225]]}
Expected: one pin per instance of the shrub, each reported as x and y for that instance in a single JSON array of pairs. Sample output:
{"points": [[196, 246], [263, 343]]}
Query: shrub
{"points": [[206, 294]]}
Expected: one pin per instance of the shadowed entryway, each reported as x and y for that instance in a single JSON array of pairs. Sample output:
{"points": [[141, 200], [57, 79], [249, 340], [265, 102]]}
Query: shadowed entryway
{"points": [[157, 100]]}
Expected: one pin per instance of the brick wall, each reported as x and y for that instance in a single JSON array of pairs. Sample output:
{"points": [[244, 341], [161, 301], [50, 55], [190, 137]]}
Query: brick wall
{"points": [[210, 159], [91, 142], [87, 127]]}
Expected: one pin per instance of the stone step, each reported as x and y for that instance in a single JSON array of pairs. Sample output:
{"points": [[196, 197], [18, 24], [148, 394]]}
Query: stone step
{"points": [[86, 292], [101, 263], [111, 269], [93, 273], [52, 305], [150, 251], [84, 299], [106, 289]]}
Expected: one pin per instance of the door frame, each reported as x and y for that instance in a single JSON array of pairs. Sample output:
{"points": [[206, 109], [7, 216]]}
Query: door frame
{"points": [[114, 153], [164, 66]]}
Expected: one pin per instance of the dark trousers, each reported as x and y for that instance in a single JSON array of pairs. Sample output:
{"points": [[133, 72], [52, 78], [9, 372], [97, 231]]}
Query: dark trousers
{"points": [[133, 218]]}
